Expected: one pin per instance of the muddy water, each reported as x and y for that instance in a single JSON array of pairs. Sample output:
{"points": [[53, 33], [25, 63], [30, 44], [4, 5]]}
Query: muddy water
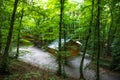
{"points": [[47, 61]]}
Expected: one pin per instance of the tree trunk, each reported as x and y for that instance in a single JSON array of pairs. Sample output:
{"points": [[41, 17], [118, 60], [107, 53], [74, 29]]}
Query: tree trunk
{"points": [[1, 4], [5, 69], [59, 72], [0, 39], [87, 39], [64, 32], [98, 41], [18, 39], [65, 53]]}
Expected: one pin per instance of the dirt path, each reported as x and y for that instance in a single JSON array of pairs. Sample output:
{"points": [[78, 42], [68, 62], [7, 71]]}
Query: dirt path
{"points": [[47, 61]]}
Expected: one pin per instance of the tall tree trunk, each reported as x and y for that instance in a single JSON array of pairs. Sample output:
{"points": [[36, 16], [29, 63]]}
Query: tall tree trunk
{"points": [[87, 39], [59, 72], [65, 53], [18, 39], [98, 41], [1, 4], [0, 39], [4, 68], [64, 32]]}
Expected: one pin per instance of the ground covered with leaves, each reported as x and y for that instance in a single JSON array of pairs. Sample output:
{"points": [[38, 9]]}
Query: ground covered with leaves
{"points": [[24, 71]]}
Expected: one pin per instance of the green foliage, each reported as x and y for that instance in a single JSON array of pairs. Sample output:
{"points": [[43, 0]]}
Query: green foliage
{"points": [[25, 42], [52, 78], [30, 75], [26, 76], [41, 20], [11, 77], [116, 54]]}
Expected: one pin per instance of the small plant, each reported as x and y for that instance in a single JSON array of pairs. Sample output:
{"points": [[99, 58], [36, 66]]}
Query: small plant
{"points": [[52, 78], [11, 77], [29, 75]]}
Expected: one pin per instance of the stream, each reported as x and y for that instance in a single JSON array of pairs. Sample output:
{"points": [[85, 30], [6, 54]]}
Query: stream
{"points": [[46, 60]]}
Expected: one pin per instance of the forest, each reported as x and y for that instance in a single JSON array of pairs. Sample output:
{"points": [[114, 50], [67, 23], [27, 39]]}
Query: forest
{"points": [[59, 39]]}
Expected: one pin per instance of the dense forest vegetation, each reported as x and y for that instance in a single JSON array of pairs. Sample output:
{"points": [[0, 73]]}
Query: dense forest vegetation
{"points": [[94, 23]]}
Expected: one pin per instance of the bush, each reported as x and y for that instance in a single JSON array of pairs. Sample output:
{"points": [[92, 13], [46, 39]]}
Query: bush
{"points": [[116, 54]]}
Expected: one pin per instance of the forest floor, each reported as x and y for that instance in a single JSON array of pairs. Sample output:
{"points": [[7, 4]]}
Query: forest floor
{"points": [[24, 71], [38, 65], [45, 60]]}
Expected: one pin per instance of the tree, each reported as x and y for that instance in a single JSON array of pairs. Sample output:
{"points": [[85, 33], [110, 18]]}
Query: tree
{"points": [[19, 29], [86, 44], [60, 37], [112, 28], [114, 35], [4, 67], [1, 4], [115, 64], [0, 39], [98, 39]]}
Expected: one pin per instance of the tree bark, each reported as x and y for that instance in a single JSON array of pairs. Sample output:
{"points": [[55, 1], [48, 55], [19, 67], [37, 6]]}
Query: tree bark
{"points": [[9, 38], [0, 39], [65, 52], [1, 4], [59, 72], [19, 29], [87, 39], [98, 40]]}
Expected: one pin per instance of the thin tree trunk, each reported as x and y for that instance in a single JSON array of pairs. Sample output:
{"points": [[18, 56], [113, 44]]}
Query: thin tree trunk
{"points": [[1, 4], [84, 52], [87, 39], [18, 39], [59, 72], [64, 32], [0, 40], [9, 38], [65, 53], [98, 41]]}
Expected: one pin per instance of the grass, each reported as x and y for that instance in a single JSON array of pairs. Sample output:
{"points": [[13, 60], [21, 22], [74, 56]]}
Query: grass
{"points": [[24, 71]]}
